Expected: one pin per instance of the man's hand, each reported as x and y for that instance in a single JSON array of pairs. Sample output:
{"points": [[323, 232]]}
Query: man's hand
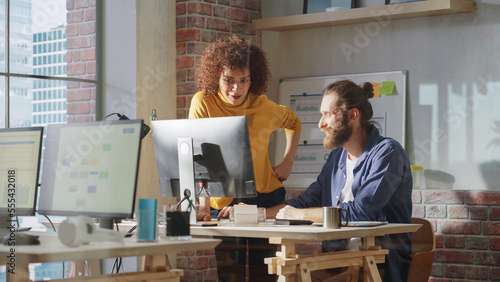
{"points": [[289, 212]]}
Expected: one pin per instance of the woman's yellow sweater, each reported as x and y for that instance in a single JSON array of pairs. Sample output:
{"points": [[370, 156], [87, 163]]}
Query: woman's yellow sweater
{"points": [[263, 117]]}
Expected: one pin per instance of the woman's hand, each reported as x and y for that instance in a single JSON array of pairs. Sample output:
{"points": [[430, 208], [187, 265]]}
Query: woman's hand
{"points": [[283, 170], [204, 209], [224, 213], [203, 216]]}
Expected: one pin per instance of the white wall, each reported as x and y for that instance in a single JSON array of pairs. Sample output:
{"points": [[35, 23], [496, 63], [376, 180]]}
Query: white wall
{"points": [[453, 62], [118, 73], [118, 58]]}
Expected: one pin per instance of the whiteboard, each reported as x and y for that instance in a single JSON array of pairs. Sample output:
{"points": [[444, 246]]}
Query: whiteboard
{"points": [[303, 96]]}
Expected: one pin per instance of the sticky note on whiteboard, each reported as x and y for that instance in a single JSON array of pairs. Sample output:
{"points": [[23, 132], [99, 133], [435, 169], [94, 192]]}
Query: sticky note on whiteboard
{"points": [[388, 88], [376, 89]]}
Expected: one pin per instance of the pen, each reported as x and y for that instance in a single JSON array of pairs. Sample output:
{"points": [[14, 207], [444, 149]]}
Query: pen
{"points": [[190, 205]]}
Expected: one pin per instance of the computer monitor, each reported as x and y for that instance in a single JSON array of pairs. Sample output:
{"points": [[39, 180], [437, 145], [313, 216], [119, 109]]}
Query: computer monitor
{"points": [[20, 151], [221, 157], [91, 169]]}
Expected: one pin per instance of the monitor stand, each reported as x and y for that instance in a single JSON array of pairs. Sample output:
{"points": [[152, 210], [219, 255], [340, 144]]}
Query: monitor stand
{"points": [[106, 223], [186, 175]]}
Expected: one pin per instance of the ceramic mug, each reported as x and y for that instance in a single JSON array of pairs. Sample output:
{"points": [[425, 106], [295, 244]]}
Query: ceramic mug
{"points": [[332, 217]]}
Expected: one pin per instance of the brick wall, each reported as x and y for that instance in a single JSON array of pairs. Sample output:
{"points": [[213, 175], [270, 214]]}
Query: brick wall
{"points": [[198, 266], [467, 225], [81, 59], [198, 24]]}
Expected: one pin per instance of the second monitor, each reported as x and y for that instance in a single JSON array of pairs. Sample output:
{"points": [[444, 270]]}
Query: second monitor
{"points": [[222, 156], [91, 169]]}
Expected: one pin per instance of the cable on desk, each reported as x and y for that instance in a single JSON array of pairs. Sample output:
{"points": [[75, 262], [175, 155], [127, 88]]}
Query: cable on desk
{"points": [[118, 265], [132, 229]]}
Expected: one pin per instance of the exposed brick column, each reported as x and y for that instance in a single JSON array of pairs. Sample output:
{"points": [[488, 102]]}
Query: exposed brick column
{"points": [[81, 59], [198, 24]]}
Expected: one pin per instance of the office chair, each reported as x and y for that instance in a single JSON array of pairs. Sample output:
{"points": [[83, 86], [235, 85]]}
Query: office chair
{"points": [[423, 245]]}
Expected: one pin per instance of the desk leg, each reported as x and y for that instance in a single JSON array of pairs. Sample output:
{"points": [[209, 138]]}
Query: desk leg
{"points": [[353, 273], [157, 263], [305, 274], [370, 270], [286, 278], [76, 268], [19, 274], [93, 267]]}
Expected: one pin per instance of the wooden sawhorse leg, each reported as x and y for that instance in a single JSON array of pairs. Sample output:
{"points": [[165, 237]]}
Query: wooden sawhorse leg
{"points": [[289, 265]]}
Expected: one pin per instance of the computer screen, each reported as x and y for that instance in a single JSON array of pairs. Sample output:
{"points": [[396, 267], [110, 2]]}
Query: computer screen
{"points": [[91, 169], [222, 155], [20, 151]]}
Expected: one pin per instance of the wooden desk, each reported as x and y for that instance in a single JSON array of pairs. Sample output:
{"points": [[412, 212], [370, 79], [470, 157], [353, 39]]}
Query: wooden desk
{"points": [[288, 264], [51, 249]]}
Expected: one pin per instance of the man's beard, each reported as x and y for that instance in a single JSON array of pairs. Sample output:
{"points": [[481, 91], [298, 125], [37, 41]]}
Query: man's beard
{"points": [[339, 135]]}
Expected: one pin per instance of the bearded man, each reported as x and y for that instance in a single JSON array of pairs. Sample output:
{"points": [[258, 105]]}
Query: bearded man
{"points": [[367, 174]]}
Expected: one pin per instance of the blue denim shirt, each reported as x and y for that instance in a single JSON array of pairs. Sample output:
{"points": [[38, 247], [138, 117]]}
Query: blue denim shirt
{"points": [[382, 189]]}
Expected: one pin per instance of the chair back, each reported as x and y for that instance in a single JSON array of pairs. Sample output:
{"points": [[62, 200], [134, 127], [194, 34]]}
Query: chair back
{"points": [[423, 246]]}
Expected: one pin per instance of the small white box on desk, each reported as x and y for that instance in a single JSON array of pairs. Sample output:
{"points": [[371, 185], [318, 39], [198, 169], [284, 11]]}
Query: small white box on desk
{"points": [[245, 214]]}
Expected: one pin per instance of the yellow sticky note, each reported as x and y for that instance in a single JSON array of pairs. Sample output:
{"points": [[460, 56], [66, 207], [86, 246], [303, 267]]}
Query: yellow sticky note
{"points": [[376, 89], [388, 87]]}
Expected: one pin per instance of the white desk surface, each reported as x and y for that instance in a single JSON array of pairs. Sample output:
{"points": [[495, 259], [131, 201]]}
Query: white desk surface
{"points": [[302, 232], [52, 250]]}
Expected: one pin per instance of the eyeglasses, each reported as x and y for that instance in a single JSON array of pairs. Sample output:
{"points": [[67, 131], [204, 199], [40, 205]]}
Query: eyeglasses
{"points": [[232, 82]]}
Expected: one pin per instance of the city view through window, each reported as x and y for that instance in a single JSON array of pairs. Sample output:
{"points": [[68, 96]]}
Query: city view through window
{"points": [[47, 75]]}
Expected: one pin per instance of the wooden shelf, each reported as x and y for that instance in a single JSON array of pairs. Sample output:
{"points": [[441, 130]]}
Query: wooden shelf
{"points": [[366, 14]]}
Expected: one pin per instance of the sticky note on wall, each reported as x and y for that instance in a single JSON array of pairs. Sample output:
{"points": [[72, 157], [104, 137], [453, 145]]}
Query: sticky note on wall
{"points": [[388, 88], [376, 89]]}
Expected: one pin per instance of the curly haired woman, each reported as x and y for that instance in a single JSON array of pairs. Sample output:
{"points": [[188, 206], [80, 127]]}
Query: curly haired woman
{"points": [[232, 78]]}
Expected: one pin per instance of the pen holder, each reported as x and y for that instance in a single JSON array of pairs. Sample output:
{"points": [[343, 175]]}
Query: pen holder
{"points": [[178, 225]]}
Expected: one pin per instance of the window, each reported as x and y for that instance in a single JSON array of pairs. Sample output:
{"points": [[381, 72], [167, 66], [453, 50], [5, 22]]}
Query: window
{"points": [[36, 28]]}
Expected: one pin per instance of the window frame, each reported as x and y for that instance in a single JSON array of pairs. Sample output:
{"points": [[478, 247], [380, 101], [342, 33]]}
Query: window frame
{"points": [[7, 74]]}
